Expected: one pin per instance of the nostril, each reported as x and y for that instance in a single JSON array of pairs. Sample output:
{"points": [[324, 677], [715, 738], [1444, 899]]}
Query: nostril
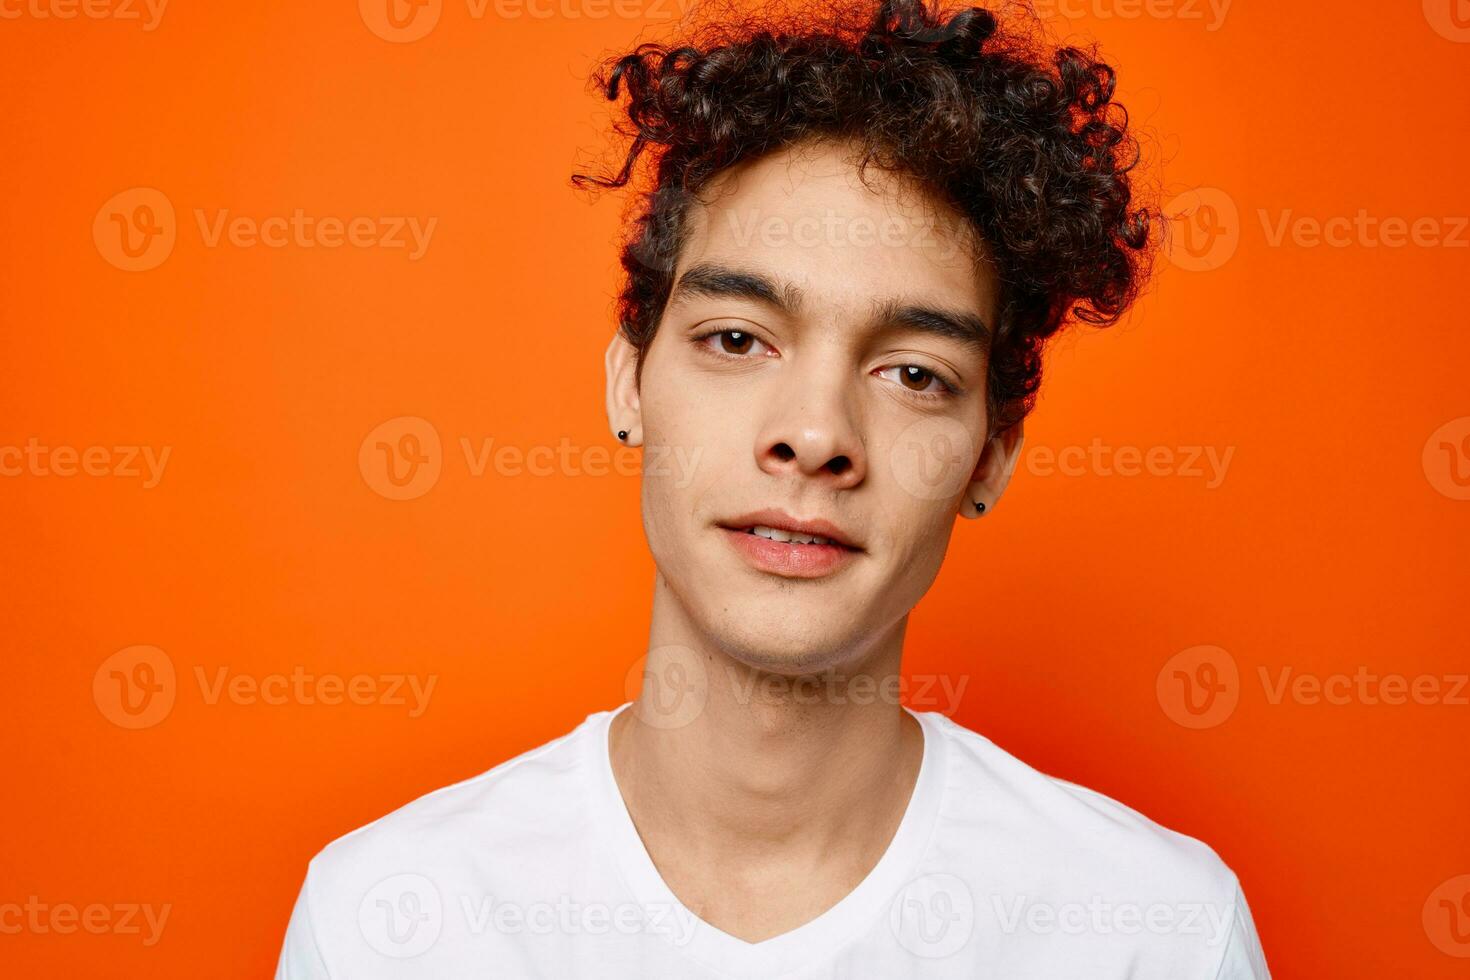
{"points": [[784, 452], [839, 465]]}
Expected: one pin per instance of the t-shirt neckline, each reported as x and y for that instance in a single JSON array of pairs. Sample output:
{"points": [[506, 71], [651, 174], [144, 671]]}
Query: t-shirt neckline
{"points": [[858, 912]]}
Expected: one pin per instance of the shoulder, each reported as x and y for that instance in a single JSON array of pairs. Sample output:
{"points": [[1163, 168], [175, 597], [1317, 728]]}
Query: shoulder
{"points": [[527, 799], [1069, 837], [1058, 869], [385, 887]]}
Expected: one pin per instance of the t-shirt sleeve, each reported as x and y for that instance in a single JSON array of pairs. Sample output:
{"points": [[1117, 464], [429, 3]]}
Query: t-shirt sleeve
{"points": [[301, 958], [1244, 959]]}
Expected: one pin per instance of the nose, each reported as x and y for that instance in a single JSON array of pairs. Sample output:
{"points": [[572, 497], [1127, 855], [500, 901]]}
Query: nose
{"points": [[810, 429]]}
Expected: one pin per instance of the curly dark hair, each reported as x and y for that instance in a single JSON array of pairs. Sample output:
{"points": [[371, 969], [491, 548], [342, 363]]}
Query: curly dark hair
{"points": [[1022, 138]]}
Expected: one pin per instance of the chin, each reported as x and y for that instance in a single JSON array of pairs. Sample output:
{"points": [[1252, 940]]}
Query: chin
{"points": [[791, 639]]}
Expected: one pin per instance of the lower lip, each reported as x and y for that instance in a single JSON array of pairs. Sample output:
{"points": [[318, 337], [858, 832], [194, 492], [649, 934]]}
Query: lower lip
{"points": [[789, 559]]}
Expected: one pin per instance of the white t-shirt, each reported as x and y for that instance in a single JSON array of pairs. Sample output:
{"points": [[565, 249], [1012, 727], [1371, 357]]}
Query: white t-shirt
{"points": [[535, 869]]}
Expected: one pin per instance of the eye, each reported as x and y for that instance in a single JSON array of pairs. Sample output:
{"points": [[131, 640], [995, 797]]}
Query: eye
{"points": [[733, 343], [917, 379]]}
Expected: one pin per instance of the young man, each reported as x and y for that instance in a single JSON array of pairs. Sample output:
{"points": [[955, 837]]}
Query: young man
{"points": [[849, 350]]}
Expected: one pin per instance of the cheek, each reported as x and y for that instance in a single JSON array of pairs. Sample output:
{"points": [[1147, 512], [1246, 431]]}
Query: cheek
{"points": [[686, 454], [918, 533], [928, 537]]}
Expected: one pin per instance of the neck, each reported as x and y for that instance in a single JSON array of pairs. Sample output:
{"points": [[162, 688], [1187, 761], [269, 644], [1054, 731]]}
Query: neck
{"points": [[731, 760]]}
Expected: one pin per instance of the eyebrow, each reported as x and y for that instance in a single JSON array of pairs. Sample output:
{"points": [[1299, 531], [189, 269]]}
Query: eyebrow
{"points": [[710, 279]]}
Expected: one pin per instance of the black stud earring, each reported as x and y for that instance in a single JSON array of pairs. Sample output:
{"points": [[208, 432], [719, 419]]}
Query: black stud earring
{"points": [[622, 434], [979, 508]]}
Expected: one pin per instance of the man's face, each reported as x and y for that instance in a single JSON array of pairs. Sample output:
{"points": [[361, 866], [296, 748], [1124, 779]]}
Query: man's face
{"points": [[822, 362]]}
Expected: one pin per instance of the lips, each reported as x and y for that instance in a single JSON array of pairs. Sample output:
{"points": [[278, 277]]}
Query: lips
{"points": [[784, 523], [777, 543]]}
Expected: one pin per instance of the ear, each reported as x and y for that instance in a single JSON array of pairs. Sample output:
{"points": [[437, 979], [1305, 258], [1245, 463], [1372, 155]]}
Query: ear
{"points": [[621, 361], [993, 471]]}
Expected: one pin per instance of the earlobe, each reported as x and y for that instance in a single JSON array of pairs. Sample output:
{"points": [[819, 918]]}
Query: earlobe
{"points": [[623, 415], [993, 472]]}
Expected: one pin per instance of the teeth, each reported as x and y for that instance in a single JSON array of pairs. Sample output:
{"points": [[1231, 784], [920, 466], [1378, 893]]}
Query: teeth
{"points": [[776, 534]]}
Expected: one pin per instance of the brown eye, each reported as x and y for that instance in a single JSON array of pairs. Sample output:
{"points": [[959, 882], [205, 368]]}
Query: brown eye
{"points": [[736, 342], [915, 378]]}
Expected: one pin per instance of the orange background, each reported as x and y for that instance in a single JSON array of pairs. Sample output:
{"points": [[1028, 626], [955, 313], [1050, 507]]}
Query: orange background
{"points": [[1329, 545]]}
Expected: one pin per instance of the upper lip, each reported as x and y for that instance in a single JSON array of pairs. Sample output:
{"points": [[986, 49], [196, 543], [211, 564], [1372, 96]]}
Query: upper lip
{"points": [[783, 521]]}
